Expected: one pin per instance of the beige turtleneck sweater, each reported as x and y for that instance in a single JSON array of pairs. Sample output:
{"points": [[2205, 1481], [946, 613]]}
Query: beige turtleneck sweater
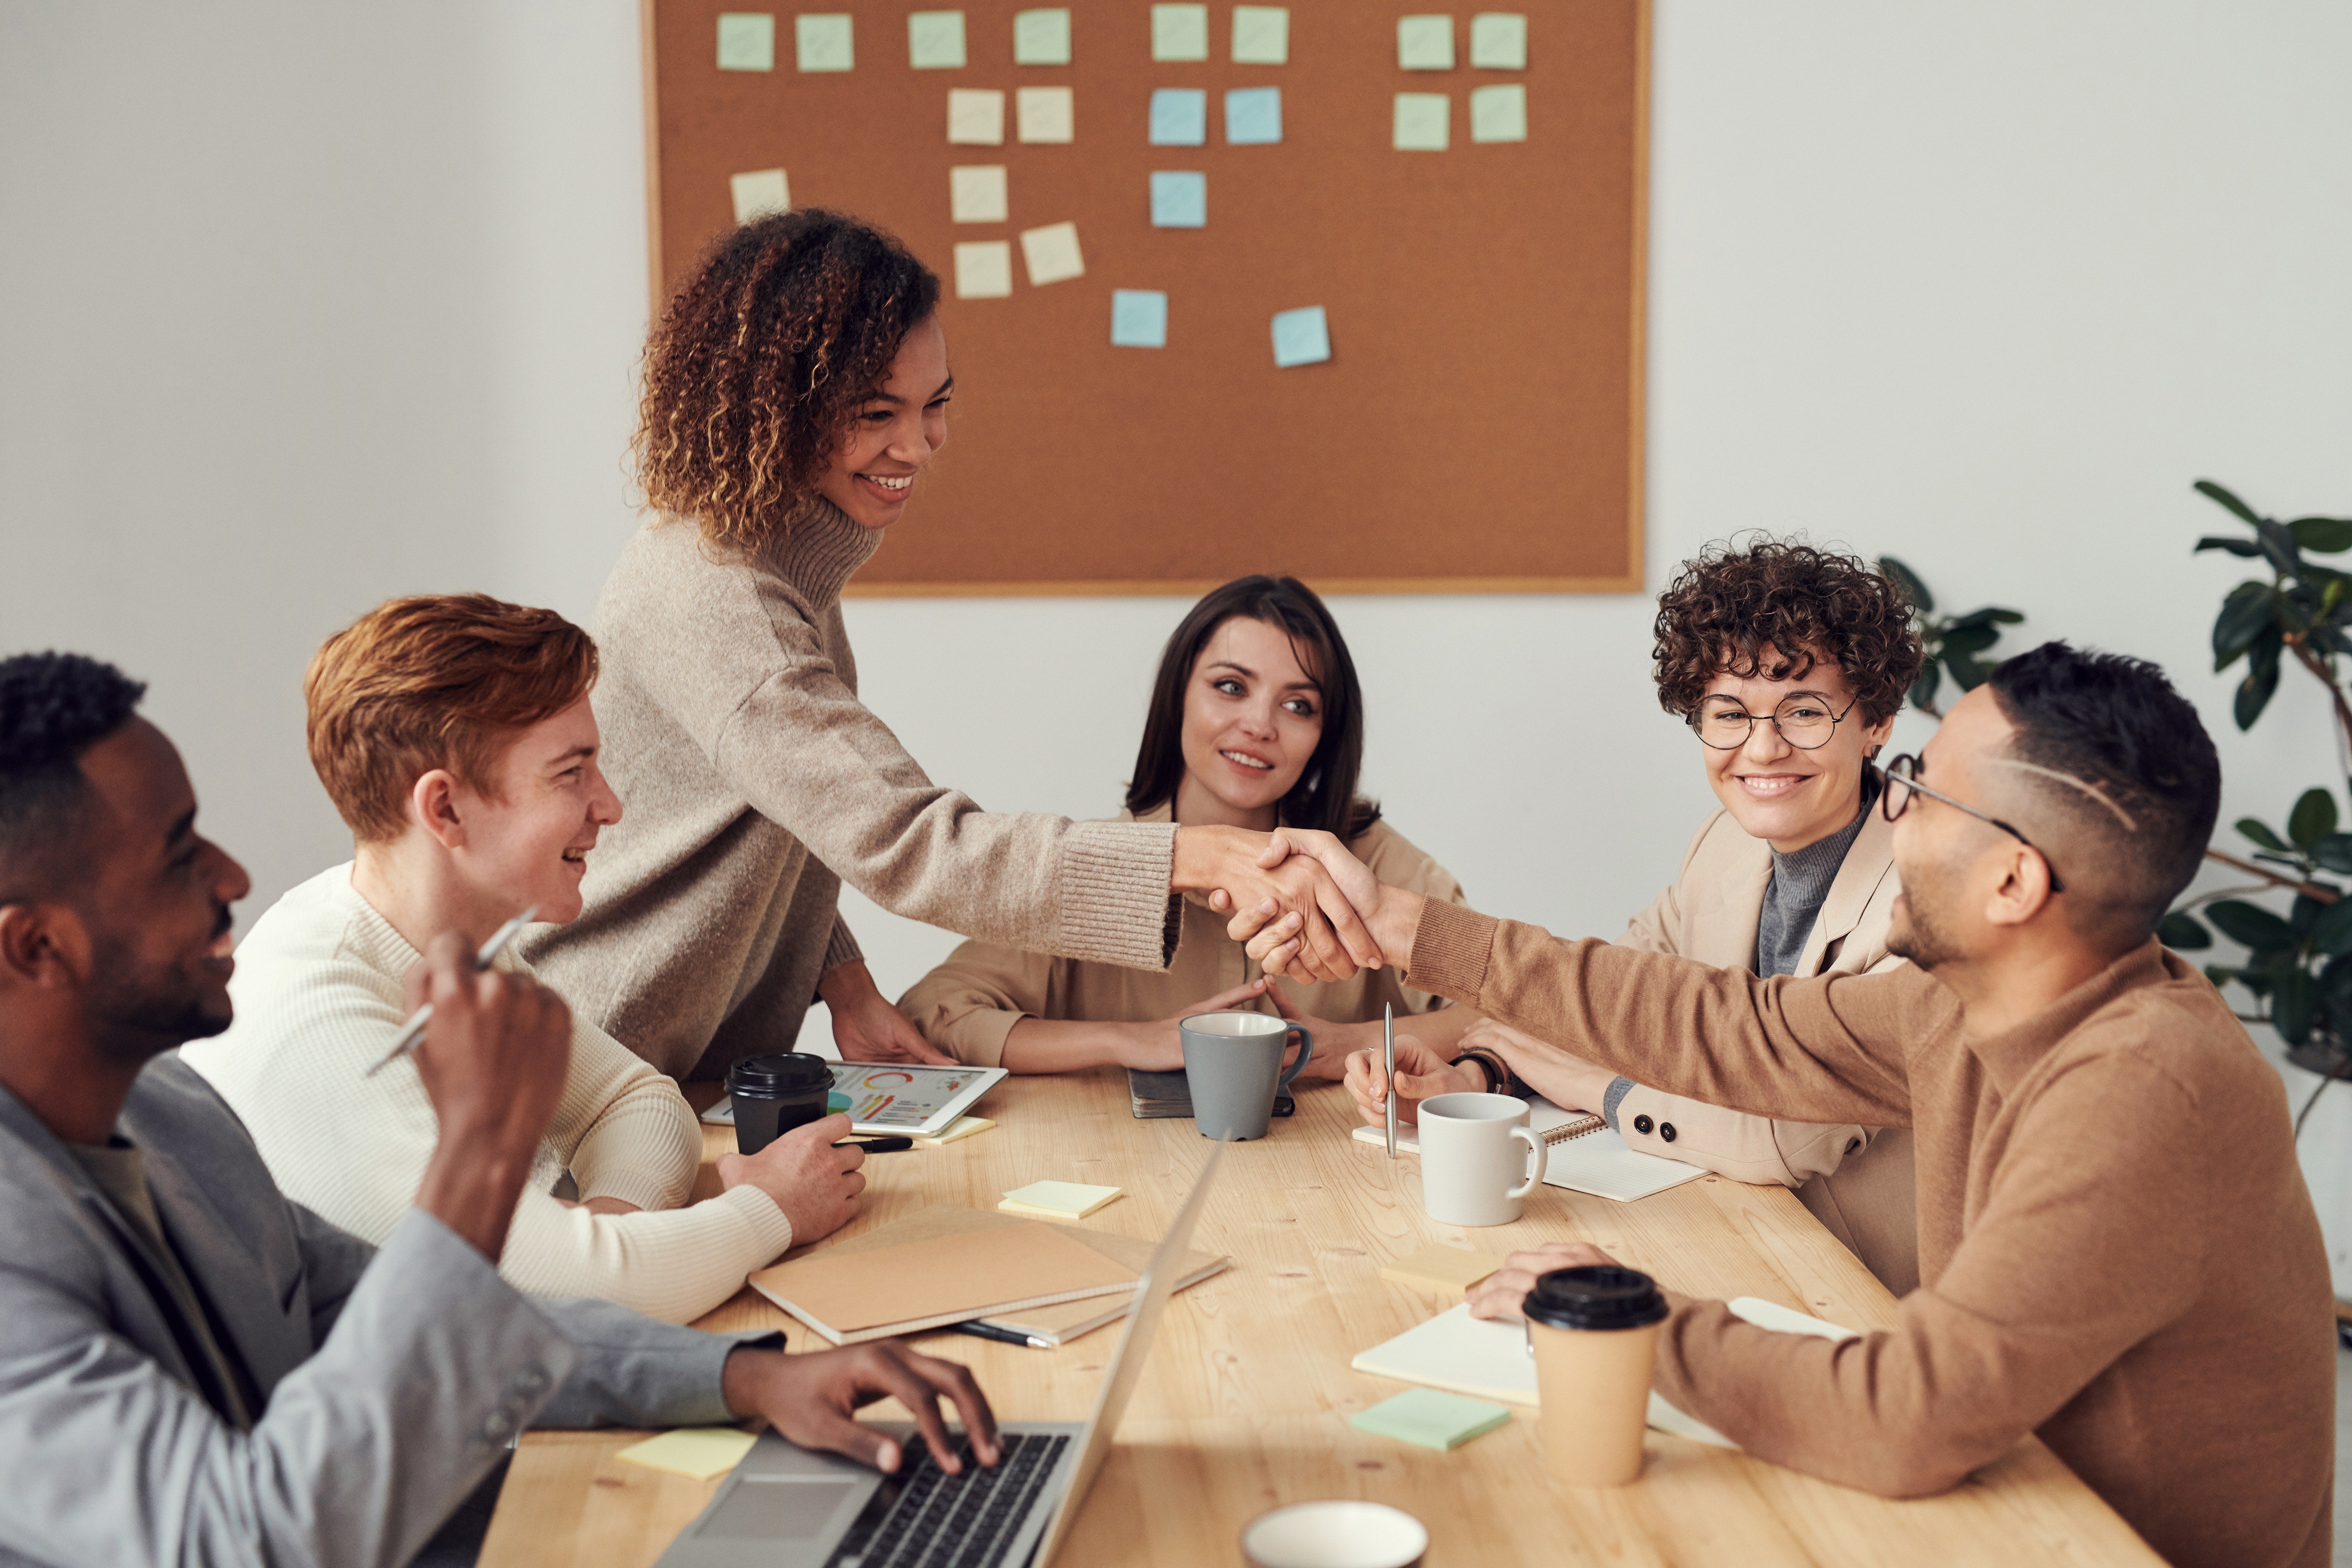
{"points": [[755, 782]]}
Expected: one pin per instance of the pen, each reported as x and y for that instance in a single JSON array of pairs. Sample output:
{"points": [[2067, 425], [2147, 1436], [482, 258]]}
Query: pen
{"points": [[1388, 1053], [981, 1330], [414, 1031], [876, 1146]]}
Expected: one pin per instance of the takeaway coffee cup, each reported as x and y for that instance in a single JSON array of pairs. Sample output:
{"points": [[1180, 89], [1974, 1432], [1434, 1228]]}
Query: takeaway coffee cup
{"points": [[1478, 1159], [1233, 1068], [1593, 1332], [774, 1094]]}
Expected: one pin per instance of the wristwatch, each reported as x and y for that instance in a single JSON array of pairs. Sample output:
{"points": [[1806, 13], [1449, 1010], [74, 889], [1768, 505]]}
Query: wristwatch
{"points": [[1500, 1078]]}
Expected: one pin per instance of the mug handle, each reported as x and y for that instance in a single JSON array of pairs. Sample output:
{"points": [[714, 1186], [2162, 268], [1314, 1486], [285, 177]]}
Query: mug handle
{"points": [[1536, 1176], [1306, 1050]]}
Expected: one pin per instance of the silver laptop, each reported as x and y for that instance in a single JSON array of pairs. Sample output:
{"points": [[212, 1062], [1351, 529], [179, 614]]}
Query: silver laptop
{"points": [[787, 1508]]}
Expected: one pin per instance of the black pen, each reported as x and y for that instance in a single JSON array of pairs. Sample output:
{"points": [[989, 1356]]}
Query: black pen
{"points": [[981, 1330], [876, 1146]]}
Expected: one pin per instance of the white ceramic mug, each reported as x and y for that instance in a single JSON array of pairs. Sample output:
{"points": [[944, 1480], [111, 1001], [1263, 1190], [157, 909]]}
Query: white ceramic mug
{"points": [[1342, 1533], [1471, 1156]]}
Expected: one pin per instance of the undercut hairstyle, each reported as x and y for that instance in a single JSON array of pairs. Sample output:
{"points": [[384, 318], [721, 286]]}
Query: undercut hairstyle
{"points": [[1325, 797], [760, 361], [53, 708], [1770, 609], [2115, 725], [439, 680]]}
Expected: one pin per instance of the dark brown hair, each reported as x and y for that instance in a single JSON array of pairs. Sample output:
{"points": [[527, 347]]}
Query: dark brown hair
{"points": [[1738, 603], [760, 361], [1324, 795], [441, 680]]}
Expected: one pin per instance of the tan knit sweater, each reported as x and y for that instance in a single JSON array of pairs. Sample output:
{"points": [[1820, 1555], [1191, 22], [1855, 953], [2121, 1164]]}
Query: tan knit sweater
{"points": [[755, 782], [2116, 1250]]}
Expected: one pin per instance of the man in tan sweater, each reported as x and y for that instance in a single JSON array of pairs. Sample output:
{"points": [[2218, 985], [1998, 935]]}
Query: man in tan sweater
{"points": [[2117, 1251]]}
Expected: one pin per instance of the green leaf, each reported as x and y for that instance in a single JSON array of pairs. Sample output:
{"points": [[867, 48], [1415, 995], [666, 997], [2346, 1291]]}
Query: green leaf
{"points": [[2293, 1003], [2183, 932], [1903, 577], [2251, 926], [2328, 535], [1923, 691], [2234, 546], [2333, 851], [1970, 639], [2255, 692], [2278, 544], [2331, 933], [2246, 610], [2313, 818], [1988, 616], [2221, 497], [2254, 829]]}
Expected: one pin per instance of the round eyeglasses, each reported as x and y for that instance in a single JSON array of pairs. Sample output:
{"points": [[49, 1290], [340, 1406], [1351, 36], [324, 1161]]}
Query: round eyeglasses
{"points": [[1902, 782], [1804, 720]]}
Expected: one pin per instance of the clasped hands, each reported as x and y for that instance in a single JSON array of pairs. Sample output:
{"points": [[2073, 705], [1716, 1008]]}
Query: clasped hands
{"points": [[1307, 908]]}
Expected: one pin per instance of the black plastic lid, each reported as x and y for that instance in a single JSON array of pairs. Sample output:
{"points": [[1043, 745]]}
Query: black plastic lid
{"points": [[775, 1077], [1596, 1296]]}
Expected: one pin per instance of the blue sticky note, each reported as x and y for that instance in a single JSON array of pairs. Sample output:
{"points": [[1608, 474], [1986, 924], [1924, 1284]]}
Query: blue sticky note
{"points": [[1180, 199], [1139, 319], [1254, 116], [1301, 337], [1180, 117]]}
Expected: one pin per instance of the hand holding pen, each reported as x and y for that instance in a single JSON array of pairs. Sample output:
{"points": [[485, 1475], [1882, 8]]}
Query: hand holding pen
{"points": [[414, 1030]]}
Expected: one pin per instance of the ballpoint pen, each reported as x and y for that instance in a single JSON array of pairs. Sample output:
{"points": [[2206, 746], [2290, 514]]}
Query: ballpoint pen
{"points": [[981, 1330], [414, 1030], [876, 1146], [1387, 1054]]}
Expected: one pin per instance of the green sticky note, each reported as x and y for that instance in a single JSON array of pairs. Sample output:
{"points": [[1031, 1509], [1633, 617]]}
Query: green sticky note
{"points": [[1425, 43], [1180, 32], [1498, 41], [823, 42], [1421, 118], [1260, 35], [935, 41], [1498, 113], [700, 1452], [747, 41], [1434, 1420], [1041, 38]]}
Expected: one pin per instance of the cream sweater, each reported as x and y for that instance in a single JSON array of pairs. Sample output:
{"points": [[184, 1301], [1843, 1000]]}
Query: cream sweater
{"points": [[756, 782], [318, 996]]}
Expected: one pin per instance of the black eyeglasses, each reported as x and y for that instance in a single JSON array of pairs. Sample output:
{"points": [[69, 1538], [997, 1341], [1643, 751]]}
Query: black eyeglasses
{"points": [[1804, 720], [1902, 782]]}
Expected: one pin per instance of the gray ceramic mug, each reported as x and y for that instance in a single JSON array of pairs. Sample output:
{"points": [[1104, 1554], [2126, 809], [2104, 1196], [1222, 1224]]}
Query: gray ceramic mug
{"points": [[1232, 1066]]}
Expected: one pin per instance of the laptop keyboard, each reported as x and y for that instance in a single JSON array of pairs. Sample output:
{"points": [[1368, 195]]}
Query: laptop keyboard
{"points": [[924, 1518]]}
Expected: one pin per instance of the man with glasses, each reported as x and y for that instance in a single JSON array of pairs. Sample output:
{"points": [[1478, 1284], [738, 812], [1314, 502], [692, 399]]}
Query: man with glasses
{"points": [[2117, 1251]]}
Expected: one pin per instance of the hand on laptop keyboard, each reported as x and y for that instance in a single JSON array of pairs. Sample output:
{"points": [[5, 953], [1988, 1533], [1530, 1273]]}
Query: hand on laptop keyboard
{"points": [[809, 1399]]}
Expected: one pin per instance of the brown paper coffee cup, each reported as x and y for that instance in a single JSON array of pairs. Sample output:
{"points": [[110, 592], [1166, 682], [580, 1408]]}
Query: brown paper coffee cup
{"points": [[1594, 1334]]}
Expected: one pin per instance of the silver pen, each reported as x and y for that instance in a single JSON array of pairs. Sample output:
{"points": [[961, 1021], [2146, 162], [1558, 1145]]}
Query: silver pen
{"points": [[1388, 1052], [414, 1031]]}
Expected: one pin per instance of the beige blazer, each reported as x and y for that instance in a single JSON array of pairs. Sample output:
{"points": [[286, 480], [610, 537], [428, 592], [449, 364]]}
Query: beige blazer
{"points": [[967, 1005], [1856, 1180]]}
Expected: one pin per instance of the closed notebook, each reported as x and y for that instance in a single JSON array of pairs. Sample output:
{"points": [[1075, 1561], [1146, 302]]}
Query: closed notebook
{"points": [[1581, 1153], [1157, 1096]]}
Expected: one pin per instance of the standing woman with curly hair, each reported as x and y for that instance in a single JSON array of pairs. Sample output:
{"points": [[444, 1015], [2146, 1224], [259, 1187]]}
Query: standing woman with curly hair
{"points": [[794, 389]]}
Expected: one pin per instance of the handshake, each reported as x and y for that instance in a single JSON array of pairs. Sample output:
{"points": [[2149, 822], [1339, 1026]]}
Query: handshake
{"points": [[1307, 909]]}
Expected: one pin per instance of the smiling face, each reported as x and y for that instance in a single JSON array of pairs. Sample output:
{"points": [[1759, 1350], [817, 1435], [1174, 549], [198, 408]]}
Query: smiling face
{"points": [[1787, 795], [1253, 717], [894, 433], [528, 844]]}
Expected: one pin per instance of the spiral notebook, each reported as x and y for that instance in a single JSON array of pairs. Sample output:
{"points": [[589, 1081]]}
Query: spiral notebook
{"points": [[1581, 1153]]}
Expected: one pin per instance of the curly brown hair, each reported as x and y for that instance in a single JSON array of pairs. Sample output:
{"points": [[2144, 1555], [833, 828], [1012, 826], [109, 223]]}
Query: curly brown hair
{"points": [[759, 361], [1739, 603]]}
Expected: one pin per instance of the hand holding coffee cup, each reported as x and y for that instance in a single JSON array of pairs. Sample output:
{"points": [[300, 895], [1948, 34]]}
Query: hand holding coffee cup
{"points": [[1593, 1332], [1232, 1069], [1480, 1158]]}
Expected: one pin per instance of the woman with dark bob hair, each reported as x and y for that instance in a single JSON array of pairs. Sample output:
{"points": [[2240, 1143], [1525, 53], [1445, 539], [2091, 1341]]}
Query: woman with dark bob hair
{"points": [[1256, 722], [795, 387], [1788, 664]]}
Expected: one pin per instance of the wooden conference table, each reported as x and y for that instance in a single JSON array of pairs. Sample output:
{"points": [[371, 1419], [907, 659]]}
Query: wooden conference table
{"points": [[1244, 1406]]}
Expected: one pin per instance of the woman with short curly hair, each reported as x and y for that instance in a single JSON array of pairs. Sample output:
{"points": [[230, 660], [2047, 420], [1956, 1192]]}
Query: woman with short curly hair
{"points": [[795, 387], [1788, 664]]}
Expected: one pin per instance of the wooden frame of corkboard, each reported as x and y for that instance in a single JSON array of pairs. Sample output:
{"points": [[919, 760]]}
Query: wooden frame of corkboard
{"points": [[1479, 426]]}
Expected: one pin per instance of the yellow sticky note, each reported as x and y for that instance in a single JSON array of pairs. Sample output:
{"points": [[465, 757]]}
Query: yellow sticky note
{"points": [[963, 1126], [1045, 115], [1447, 1268], [976, 193], [976, 117], [700, 1452], [984, 269], [1052, 253], [1063, 1200], [758, 192]]}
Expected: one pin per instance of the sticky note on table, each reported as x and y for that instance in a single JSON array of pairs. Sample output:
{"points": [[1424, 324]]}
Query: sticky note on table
{"points": [[1301, 337], [976, 117], [984, 269], [1045, 114], [1425, 43], [1434, 1420], [935, 41], [822, 41], [1422, 120], [1498, 113], [1180, 199], [1139, 319], [1446, 1268], [1062, 1200], [1041, 38], [1052, 253], [1260, 35], [1254, 116], [758, 192], [1180, 117], [963, 1126], [977, 194], [1498, 41], [1180, 32], [700, 1452], [747, 41]]}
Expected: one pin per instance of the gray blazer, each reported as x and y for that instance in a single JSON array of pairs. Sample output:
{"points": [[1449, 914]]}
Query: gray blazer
{"points": [[392, 1379]]}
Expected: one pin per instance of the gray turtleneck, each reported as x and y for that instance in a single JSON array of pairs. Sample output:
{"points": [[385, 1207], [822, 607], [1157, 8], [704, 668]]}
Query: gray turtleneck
{"points": [[1793, 898]]}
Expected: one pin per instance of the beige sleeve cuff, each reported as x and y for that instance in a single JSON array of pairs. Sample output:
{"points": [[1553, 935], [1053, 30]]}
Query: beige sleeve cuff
{"points": [[840, 948], [1450, 948], [1747, 1148], [977, 1038], [1112, 897]]}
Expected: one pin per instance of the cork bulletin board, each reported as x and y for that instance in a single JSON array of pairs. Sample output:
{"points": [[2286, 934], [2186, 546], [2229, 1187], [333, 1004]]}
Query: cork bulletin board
{"points": [[1468, 418]]}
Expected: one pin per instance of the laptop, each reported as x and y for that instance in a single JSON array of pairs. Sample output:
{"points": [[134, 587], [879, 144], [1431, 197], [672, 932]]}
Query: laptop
{"points": [[788, 1508]]}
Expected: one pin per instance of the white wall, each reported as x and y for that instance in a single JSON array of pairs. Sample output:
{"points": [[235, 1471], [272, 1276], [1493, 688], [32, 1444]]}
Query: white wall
{"points": [[305, 306]]}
